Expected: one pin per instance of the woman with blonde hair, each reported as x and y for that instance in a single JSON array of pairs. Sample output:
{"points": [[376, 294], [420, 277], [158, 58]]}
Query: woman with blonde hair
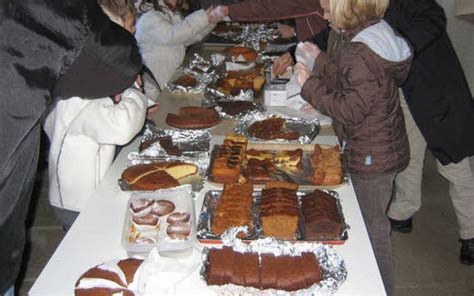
{"points": [[356, 83]]}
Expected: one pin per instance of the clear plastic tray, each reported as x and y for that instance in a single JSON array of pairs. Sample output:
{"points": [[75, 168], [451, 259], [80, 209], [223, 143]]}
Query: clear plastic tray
{"points": [[140, 240]]}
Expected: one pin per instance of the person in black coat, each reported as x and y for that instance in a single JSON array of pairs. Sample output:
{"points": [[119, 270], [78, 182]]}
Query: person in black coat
{"points": [[44, 43], [440, 103]]}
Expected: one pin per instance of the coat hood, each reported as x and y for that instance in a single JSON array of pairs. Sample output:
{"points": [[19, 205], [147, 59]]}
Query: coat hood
{"points": [[107, 64], [393, 50]]}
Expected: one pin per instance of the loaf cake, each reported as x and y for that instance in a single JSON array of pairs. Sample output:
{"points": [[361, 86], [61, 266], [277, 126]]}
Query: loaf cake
{"points": [[321, 217], [271, 129], [234, 208], [289, 273], [111, 278], [158, 175], [279, 213], [227, 159], [192, 117], [327, 166]]}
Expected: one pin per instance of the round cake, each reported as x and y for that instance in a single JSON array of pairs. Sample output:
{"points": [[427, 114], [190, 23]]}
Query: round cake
{"points": [[118, 277]]}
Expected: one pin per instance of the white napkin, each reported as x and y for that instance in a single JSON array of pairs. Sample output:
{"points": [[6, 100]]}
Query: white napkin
{"points": [[160, 275], [302, 57]]}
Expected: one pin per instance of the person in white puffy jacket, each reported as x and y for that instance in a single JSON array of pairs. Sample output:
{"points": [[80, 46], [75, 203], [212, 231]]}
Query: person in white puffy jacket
{"points": [[83, 135], [163, 35]]}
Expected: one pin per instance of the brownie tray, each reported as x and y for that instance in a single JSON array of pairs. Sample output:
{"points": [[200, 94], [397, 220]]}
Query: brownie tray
{"points": [[211, 200]]}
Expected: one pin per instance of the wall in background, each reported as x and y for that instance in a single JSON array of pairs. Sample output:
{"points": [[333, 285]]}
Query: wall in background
{"points": [[461, 31]]}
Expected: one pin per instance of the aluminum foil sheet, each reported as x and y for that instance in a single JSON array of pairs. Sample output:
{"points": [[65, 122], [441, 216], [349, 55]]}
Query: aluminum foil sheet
{"points": [[307, 129], [334, 271], [191, 143], [211, 200]]}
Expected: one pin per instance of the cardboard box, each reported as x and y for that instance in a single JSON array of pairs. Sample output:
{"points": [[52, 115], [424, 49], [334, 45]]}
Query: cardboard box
{"points": [[464, 7], [275, 95]]}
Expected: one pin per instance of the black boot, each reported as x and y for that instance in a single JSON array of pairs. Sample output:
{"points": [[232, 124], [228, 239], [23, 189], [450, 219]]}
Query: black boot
{"points": [[403, 226], [467, 251]]}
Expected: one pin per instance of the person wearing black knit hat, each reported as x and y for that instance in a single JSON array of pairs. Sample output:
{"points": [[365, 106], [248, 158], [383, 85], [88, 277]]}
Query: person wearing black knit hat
{"points": [[43, 44]]}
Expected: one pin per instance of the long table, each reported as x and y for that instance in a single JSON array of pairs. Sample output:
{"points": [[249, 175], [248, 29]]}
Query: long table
{"points": [[96, 235]]}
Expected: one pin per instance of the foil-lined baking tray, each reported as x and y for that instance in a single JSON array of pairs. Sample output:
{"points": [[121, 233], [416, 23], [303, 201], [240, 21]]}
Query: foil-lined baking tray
{"points": [[332, 265], [307, 129], [300, 175], [211, 200], [191, 143]]}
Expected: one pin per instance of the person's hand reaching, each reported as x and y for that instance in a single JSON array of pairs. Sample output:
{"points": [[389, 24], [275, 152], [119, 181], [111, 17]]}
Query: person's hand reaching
{"points": [[311, 49], [217, 14], [302, 73], [151, 111], [281, 64], [285, 31]]}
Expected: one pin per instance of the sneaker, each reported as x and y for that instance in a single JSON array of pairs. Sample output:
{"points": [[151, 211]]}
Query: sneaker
{"points": [[467, 251], [403, 226]]}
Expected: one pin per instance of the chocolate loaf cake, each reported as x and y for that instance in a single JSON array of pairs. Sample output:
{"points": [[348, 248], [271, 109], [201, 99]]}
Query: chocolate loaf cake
{"points": [[290, 273], [322, 220]]}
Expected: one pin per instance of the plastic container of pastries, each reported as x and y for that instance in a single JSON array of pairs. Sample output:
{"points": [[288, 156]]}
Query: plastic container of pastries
{"points": [[163, 219]]}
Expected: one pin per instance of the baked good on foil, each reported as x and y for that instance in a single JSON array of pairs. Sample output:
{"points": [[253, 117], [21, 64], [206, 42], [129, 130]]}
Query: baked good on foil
{"points": [[158, 175], [271, 129], [186, 80], [234, 208], [327, 165], [279, 213], [264, 271], [234, 108], [111, 278], [241, 53], [321, 217], [193, 117], [227, 159]]}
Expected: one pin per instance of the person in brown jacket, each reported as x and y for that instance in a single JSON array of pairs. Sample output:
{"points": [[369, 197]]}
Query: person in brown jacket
{"points": [[356, 83], [308, 14]]}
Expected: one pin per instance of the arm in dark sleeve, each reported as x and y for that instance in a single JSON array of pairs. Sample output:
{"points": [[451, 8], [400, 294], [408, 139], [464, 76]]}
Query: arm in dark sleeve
{"points": [[421, 21], [272, 10]]}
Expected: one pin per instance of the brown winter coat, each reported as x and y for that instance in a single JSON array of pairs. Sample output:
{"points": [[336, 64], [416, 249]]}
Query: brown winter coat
{"points": [[308, 14], [359, 90]]}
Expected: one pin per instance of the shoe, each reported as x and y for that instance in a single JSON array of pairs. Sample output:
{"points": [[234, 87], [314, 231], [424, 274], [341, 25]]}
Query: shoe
{"points": [[403, 226], [467, 251]]}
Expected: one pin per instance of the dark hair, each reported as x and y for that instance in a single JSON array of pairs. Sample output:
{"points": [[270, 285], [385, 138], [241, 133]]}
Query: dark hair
{"points": [[121, 8]]}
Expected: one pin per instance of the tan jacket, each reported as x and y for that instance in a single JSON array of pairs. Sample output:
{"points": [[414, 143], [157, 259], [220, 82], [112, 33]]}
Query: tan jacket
{"points": [[357, 85]]}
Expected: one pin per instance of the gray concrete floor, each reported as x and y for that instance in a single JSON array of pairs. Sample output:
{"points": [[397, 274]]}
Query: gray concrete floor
{"points": [[426, 260]]}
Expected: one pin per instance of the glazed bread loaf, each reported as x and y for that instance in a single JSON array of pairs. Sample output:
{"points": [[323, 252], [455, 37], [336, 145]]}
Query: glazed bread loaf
{"points": [[192, 117]]}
